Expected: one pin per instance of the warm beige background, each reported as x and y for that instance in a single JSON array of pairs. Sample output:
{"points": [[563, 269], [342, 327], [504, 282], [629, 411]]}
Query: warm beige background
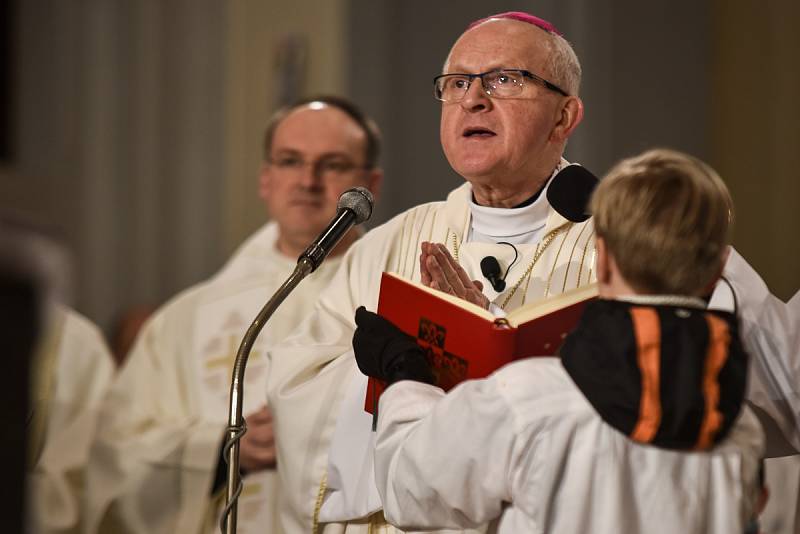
{"points": [[255, 31], [139, 124], [755, 131]]}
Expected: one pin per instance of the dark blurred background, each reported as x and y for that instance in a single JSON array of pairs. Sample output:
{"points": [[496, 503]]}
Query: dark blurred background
{"points": [[133, 129]]}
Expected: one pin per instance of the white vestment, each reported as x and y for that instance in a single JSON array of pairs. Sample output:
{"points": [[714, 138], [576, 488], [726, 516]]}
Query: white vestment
{"points": [[770, 331], [315, 388], [72, 371], [163, 423], [526, 446]]}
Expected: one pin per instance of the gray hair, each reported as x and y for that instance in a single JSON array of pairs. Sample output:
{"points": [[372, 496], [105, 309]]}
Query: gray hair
{"points": [[563, 65]]}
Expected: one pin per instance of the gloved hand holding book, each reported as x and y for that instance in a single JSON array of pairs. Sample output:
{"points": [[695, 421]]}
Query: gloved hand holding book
{"points": [[385, 352]]}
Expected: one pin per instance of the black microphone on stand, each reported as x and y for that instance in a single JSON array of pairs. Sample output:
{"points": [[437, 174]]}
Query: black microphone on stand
{"points": [[354, 207], [570, 190]]}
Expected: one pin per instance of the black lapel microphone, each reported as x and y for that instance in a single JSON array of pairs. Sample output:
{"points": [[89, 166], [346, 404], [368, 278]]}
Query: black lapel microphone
{"points": [[490, 268], [568, 193]]}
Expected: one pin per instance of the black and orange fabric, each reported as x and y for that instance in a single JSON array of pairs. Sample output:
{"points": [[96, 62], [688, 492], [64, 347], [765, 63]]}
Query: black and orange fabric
{"points": [[668, 375]]}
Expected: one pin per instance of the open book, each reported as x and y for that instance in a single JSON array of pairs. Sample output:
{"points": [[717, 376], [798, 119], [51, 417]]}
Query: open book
{"points": [[462, 340]]}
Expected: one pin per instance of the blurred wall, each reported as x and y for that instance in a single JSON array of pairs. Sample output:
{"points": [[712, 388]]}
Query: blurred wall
{"points": [[755, 125], [275, 52], [119, 129], [139, 128], [716, 79], [139, 124]]}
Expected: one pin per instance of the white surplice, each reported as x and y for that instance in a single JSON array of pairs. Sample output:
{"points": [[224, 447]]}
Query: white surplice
{"points": [[315, 388], [72, 371], [770, 330], [164, 419], [526, 446]]}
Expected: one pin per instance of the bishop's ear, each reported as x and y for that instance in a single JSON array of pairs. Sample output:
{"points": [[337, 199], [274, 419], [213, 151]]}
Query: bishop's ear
{"points": [[570, 116]]}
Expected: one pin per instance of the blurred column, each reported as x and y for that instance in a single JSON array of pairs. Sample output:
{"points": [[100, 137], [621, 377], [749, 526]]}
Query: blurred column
{"points": [[756, 131]]}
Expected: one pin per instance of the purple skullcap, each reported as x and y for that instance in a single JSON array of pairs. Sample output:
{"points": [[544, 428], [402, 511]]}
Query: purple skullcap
{"points": [[522, 17]]}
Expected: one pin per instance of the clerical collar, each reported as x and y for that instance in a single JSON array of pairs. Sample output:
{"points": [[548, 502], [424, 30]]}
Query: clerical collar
{"points": [[518, 225]]}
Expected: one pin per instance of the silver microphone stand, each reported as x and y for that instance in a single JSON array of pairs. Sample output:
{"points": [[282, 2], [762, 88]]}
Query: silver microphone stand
{"points": [[236, 424], [354, 207]]}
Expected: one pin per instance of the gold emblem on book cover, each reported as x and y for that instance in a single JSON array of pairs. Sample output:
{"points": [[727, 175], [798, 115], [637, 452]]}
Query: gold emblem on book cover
{"points": [[448, 369]]}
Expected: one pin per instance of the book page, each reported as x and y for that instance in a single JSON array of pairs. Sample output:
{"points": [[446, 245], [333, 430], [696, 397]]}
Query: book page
{"points": [[541, 308]]}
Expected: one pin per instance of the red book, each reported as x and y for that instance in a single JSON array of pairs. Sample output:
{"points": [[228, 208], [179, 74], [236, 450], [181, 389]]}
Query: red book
{"points": [[463, 341]]}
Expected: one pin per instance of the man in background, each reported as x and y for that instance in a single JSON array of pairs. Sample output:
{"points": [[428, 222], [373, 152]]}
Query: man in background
{"points": [[56, 383], [156, 464]]}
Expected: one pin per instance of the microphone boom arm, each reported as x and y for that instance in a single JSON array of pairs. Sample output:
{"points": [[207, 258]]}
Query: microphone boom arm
{"points": [[236, 425], [354, 207]]}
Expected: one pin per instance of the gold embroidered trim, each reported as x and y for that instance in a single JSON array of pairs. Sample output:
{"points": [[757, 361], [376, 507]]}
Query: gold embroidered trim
{"points": [[583, 259], [377, 523], [42, 376], [569, 263], [455, 245], [412, 240], [540, 249], [525, 291], [555, 261], [323, 485], [404, 244]]}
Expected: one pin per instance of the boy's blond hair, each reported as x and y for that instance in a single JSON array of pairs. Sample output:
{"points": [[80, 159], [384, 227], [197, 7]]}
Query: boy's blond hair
{"points": [[665, 217]]}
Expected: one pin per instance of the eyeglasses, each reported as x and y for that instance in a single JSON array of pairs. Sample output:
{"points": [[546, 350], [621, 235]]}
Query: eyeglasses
{"points": [[499, 83], [325, 167]]}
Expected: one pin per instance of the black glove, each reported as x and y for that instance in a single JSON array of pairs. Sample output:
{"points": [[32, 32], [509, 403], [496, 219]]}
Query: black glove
{"points": [[385, 352]]}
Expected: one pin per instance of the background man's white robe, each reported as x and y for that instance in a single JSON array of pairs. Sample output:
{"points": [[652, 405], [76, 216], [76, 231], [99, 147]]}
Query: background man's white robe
{"points": [[164, 419], [71, 373], [528, 436], [314, 368]]}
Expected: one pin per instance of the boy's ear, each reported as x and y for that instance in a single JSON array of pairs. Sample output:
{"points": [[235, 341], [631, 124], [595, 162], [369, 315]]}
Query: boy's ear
{"points": [[709, 289], [602, 266]]}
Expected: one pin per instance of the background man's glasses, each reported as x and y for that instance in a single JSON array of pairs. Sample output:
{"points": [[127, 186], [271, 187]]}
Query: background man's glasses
{"points": [[502, 83], [326, 168]]}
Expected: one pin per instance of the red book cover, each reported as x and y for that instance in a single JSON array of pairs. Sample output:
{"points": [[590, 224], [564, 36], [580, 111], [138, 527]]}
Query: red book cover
{"points": [[464, 341]]}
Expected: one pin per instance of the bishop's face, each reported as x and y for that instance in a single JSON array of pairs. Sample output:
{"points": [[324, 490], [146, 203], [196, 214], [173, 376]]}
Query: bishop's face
{"points": [[501, 142]]}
